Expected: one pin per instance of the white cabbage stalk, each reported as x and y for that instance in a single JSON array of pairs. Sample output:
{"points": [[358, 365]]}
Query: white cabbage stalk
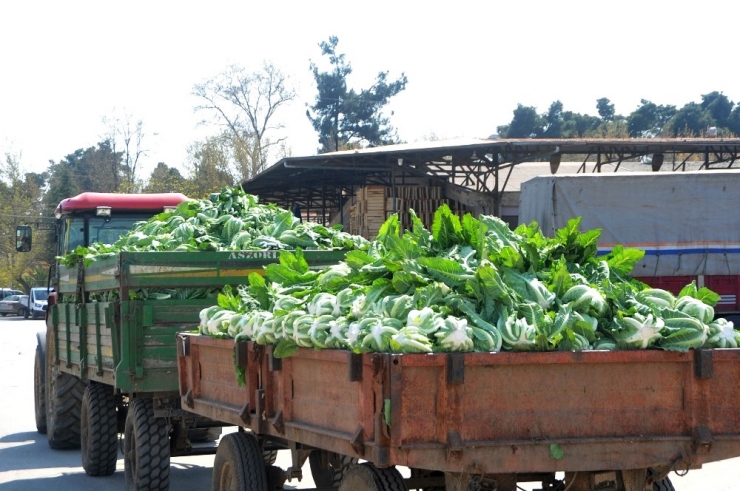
{"points": [[323, 303], [658, 298], [517, 333], [410, 340], [638, 331], [380, 333], [455, 335], [353, 334], [585, 300], [219, 323], [425, 320], [337, 334], [722, 334], [264, 332], [205, 315], [695, 308], [359, 307]]}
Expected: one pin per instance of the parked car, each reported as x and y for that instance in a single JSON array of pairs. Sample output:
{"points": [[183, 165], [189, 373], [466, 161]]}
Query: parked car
{"points": [[14, 305], [6, 292], [37, 302]]}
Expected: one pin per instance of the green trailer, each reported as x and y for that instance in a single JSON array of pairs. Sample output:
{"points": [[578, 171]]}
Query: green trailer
{"points": [[113, 354]]}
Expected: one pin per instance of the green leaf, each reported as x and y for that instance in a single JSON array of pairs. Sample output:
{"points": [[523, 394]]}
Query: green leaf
{"points": [[474, 232], [422, 236], [492, 284], [358, 259], [295, 261], [556, 452], [258, 290], [446, 227], [707, 296], [284, 221], [391, 226], [285, 348], [401, 248], [448, 271], [560, 280], [623, 260]]}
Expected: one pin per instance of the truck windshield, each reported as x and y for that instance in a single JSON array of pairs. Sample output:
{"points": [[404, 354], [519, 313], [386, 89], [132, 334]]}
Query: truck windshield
{"points": [[100, 230], [41, 294], [110, 231]]}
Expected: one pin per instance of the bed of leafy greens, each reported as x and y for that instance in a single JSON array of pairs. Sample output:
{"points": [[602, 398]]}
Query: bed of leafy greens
{"points": [[230, 220], [469, 284]]}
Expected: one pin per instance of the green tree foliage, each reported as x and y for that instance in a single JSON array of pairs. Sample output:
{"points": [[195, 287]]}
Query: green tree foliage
{"points": [[733, 124], [553, 121], [96, 169], [343, 117], [648, 120], [689, 121], [525, 124], [165, 179], [21, 203], [208, 166], [719, 106], [605, 109]]}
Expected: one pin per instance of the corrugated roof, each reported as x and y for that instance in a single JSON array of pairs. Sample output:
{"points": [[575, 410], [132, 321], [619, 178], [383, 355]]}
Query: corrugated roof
{"points": [[482, 165]]}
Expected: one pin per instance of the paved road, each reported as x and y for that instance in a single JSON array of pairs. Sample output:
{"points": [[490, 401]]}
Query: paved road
{"points": [[28, 464]]}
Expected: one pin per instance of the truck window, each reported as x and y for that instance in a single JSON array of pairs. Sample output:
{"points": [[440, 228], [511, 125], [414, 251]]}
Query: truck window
{"points": [[108, 232], [73, 235], [40, 294]]}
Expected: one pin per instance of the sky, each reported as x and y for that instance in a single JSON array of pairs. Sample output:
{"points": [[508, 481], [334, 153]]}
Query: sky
{"points": [[67, 65]]}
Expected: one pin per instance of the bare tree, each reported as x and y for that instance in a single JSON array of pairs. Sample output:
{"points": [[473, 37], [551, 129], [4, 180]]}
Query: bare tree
{"points": [[245, 103], [126, 136]]}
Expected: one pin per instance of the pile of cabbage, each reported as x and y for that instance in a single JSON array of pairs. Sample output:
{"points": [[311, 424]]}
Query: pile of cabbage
{"points": [[469, 284], [230, 220]]}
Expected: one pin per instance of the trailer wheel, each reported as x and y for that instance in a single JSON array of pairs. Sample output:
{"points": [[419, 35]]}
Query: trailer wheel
{"points": [[664, 484], [146, 448], [239, 464], [275, 478], [328, 468], [99, 424], [367, 477], [63, 404], [39, 390]]}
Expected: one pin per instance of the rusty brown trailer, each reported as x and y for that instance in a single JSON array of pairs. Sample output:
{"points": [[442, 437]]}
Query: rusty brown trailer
{"points": [[477, 413]]}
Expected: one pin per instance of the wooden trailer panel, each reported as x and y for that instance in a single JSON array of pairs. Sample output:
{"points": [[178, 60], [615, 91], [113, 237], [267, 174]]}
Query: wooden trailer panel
{"points": [[482, 413]]}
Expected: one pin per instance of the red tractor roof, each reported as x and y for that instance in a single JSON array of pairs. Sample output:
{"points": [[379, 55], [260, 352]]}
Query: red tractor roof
{"points": [[120, 202]]}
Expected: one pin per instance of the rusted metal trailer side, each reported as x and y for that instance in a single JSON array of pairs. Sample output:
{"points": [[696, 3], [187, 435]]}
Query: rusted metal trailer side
{"points": [[478, 413]]}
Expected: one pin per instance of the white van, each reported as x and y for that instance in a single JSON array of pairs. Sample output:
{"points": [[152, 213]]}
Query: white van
{"points": [[37, 302]]}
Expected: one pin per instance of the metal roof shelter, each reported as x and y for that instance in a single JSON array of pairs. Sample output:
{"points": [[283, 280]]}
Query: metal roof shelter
{"points": [[320, 183]]}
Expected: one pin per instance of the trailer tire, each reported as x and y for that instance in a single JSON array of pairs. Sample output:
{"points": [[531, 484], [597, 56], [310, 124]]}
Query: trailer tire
{"points": [[99, 424], [146, 448], [39, 390], [275, 478], [239, 464], [63, 405], [664, 484], [328, 468], [367, 477]]}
